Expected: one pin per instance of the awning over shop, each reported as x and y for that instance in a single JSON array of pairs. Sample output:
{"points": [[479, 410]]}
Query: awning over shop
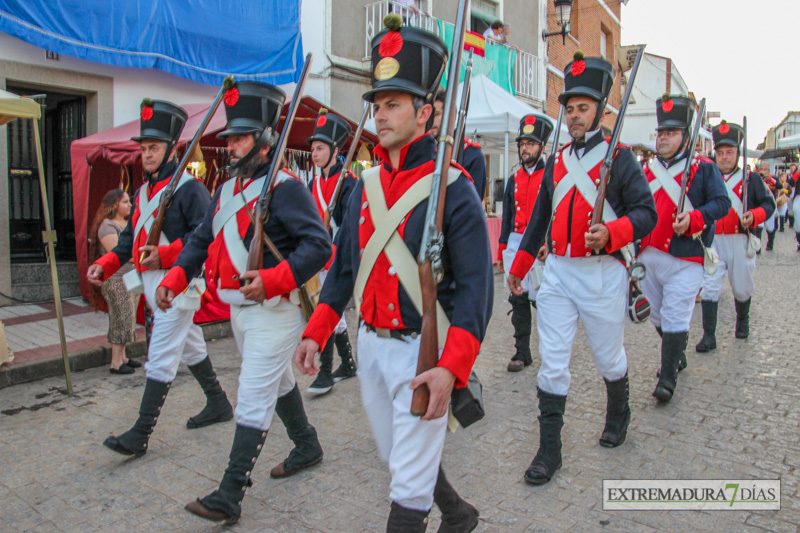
{"points": [[203, 41], [103, 161], [792, 141]]}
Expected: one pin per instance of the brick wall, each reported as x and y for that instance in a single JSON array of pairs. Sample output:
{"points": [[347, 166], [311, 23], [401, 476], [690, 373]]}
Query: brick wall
{"points": [[589, 20]]}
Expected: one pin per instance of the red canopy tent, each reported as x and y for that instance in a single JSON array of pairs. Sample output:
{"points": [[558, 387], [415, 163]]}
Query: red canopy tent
{"points": [[109, 159]]}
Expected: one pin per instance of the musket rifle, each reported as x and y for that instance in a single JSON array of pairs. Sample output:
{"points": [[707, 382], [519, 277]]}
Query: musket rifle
{"points": [[430, 260], [745, 173], [345, 168], [687, 169], [154, 235], [255, 256], [461, 124], [605, 169]]}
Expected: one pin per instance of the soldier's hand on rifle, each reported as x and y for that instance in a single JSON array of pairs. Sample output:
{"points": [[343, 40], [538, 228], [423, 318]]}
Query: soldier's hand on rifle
{"points": [[254, 291], [542, 254], [597, 237], [164, 297], [515, 284], [681, 224], [153, 260], [95, 275], [440, 383], [747, 219], [304, 357]]}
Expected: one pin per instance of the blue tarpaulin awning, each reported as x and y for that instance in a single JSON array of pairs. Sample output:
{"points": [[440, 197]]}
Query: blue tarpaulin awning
{"points": [[200, 40]]}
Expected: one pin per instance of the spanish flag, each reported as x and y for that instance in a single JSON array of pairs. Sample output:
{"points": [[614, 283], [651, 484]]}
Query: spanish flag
{"points": [[475, 42]]}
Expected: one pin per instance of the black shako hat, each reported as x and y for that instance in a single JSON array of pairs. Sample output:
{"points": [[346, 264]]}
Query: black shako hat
{"points": [[160, 120], [535, 127], [406, 59], [251, 107], [588, 76], [674, 111], [727, 134], [331, 129]]}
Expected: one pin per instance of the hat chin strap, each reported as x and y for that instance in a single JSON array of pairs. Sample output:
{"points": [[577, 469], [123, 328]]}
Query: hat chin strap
{"points": [[164, 160], [601, 107], [266, 133]]}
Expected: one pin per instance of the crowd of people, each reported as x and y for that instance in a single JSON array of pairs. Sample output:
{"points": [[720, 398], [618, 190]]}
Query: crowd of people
{"points": [[562, 258]]}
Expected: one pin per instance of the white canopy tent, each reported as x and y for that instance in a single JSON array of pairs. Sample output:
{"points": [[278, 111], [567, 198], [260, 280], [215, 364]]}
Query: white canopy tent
{"points": [[13, 107], [493, 117]]}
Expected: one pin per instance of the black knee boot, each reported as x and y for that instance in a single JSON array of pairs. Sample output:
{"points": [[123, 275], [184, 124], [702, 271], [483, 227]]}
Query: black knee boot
{"points": [[618, 413], [521, 318], [673, 347], [225, 503], [324, 381], [709, 340], [683, 363], [458, 516], [134, 441], [551, 420], [218, 408], [783, 223], [770, 240], [348, 367], [405, 520], [742, 318], [307, 449]]}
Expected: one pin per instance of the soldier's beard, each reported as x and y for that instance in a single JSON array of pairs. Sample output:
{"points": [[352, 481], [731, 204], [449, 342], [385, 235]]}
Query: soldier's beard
{"points": [[247, 170]]}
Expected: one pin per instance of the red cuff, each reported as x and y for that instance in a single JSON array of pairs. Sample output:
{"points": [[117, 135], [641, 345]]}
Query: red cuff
{"points": [[110, 264], [175, 280], [330, 261], [460, 351], [620, 233], [500, 249], [523, 261], [759, 216], [696, 223], [278, 280], [321, 325], [169, 254]]}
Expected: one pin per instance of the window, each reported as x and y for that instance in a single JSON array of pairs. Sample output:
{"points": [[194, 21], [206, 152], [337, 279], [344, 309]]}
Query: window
{"points": [[603, 44]]}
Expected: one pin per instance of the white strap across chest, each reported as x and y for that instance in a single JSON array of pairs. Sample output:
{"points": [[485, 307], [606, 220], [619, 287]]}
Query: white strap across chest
{"points": [[387, 239], [321, 197], [731, 182], [578, 176], [665, 180], [148, 207]]}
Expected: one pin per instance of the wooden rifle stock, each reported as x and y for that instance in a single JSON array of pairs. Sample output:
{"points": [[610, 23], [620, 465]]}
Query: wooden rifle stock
{"points": [[605, 170], [154, 235], [687, 169], [430, 267], [345, 168], [255, 256]]}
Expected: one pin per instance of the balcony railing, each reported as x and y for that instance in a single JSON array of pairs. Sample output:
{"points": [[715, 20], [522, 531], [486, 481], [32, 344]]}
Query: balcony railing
{"points": [[527, 69]]}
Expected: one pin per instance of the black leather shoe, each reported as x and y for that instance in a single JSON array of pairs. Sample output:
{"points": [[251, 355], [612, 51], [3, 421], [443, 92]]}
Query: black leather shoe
{"points": [[124, 368], [133, 363]]}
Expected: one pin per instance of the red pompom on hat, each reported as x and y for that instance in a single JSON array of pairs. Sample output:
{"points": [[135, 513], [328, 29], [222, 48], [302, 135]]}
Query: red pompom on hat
{"points": [[578, 67], [391, 44], [147, 113], [667, 105], [724, 128], [231, 97], [530, 120], [321, 120]]}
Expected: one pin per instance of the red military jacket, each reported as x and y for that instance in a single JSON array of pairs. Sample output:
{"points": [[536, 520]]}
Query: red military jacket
{"points": [[729, 224]]}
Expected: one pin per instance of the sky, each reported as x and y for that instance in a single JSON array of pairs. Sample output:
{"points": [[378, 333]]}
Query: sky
{"points": [[742, 56]]}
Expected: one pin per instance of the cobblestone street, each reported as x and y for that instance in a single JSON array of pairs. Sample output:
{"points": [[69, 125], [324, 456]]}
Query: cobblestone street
{"points": [[736, 414]]}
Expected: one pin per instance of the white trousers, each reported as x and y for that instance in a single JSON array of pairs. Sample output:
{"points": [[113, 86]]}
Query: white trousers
{"points": [[796, 211], [341, 327], [783, 210], [175, 337], [514, 240], [671, 286], [412, 447], [772, 222], [732, 250], [593, 289], [267, 336]]}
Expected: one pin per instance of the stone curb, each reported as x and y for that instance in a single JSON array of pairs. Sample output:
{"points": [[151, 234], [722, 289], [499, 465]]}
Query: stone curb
{"points": [[91, 358]]}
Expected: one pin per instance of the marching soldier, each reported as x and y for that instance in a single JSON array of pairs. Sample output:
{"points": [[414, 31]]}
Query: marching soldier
{"points": [[673, 257], [733, 235], [522, 189], [175, 338], [383, 280], [474, 160], [265, 316], [585, 275], [330, 134]]}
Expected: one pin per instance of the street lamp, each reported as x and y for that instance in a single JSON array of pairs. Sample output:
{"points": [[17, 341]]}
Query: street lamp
{"points": [[563, 13]]}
